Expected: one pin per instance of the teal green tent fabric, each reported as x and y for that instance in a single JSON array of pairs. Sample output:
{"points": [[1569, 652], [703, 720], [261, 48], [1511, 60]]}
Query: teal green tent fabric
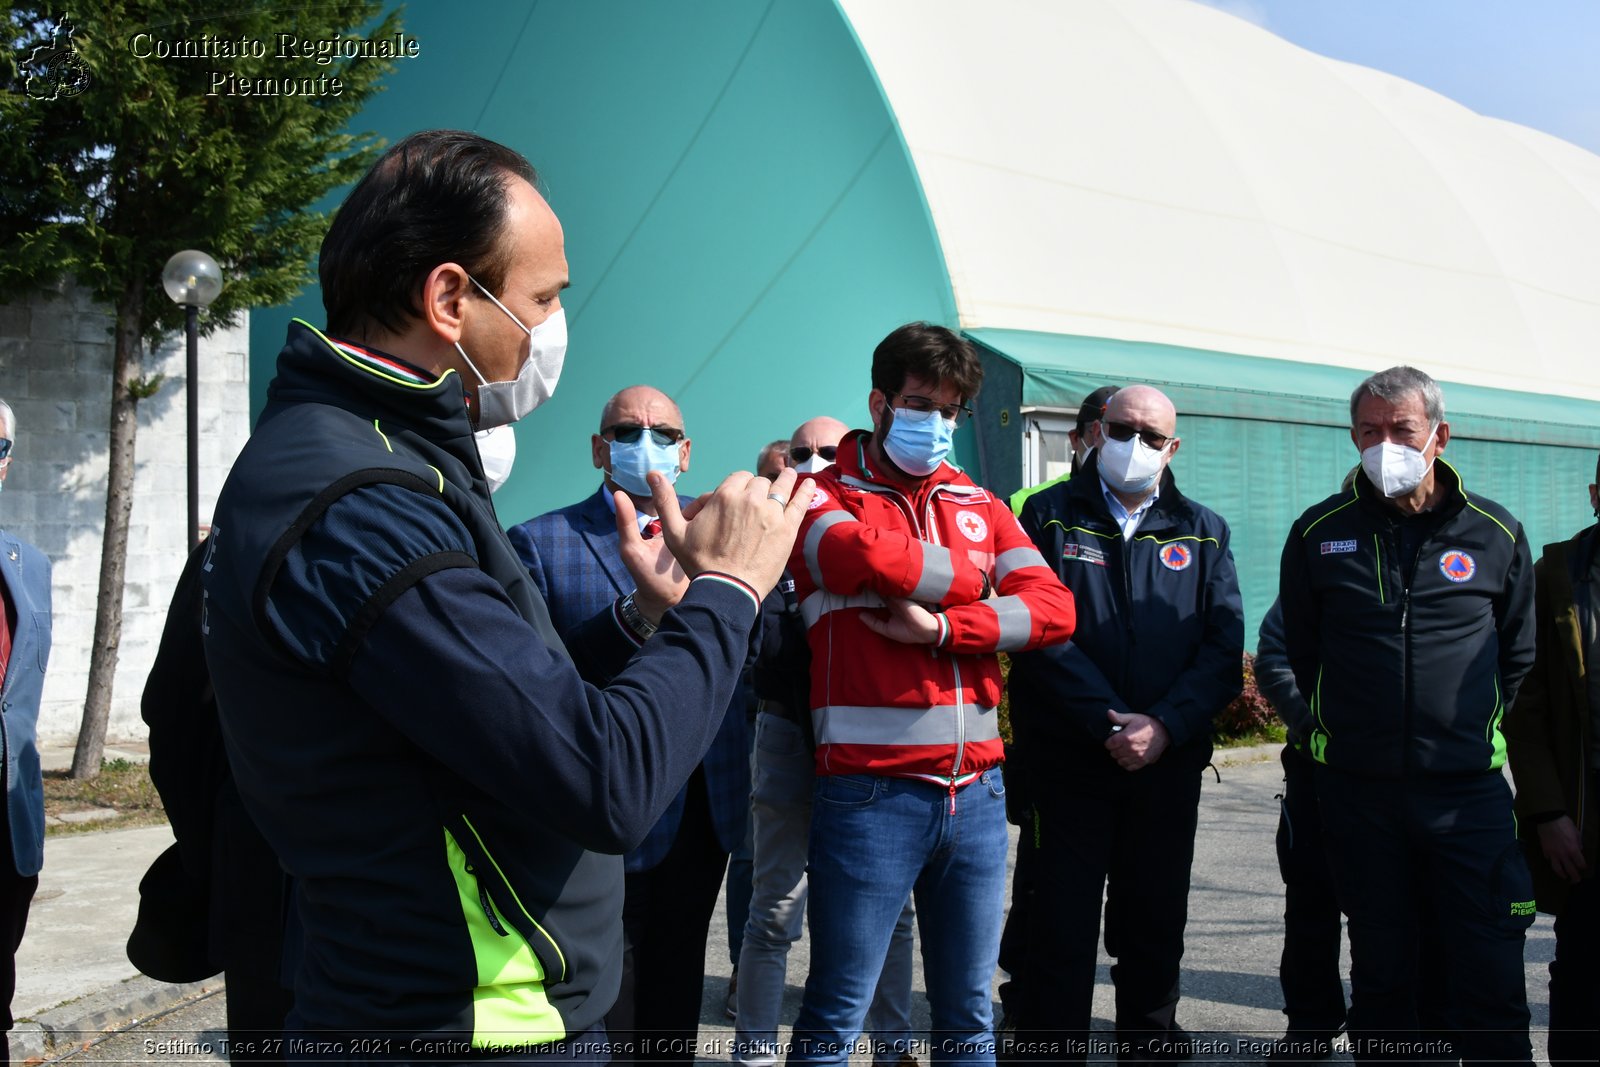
{"points": [[1264, 439], [744, 224], [742, 221]]}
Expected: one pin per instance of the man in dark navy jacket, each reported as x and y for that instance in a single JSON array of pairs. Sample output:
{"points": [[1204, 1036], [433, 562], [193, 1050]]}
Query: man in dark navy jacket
{"points": [[1113, 730], [1408, 621], [405, 726]]}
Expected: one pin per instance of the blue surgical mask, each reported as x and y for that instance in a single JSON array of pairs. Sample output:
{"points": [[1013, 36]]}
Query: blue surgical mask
{"points": [[918, 441], [631, 462]]}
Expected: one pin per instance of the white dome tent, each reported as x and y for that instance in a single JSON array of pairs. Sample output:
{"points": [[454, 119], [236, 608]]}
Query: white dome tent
{"points": [[1154, 190]]}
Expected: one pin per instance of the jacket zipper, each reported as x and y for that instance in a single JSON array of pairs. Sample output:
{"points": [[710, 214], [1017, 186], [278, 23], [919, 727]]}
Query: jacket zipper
{"points": [[1406, 581], [1124, 562], [929, 532], [486, 903], [955, 668]]}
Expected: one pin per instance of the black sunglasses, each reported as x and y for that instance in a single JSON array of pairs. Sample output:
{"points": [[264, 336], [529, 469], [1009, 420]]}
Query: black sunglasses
{"points": [[5, 447], [628, 433], [801, 453], [1121, 431], [956, 413]]}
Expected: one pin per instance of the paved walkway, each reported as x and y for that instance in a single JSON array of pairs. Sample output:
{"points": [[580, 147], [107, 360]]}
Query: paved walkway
{"points": [[74, 980]]}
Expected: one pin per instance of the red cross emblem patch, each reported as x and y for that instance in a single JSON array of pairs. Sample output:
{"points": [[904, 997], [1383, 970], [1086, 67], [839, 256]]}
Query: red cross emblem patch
{"points": [[971, 525]]}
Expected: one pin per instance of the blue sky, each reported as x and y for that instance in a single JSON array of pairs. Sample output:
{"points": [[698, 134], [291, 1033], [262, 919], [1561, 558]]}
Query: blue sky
{"points": [[1530, 61]]}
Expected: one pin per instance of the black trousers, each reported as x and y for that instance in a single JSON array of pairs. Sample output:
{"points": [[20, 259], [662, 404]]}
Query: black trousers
{"points": [[249, 898], [1014, 937], [1436, 850], [16, 894], [1575, 972], [1313, 926], [666, 917], [1131, 837]]}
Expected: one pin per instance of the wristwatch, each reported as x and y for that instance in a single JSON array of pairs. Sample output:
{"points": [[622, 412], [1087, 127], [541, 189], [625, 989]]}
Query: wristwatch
{"points": [[641, 626]]}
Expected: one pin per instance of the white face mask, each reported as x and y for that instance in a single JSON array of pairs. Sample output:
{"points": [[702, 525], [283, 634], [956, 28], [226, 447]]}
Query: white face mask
{"points": [[502, 403], [813, 464], [497, 447], [1396, 470], [1131, 466]]}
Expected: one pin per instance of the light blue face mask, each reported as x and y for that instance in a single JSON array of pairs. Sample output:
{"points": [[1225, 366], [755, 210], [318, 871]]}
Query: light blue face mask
{"points": [[631, 462], [918, 441]]}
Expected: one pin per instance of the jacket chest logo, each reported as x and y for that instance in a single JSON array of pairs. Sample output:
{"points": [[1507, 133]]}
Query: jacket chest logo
{"points": [[1176, 557], [972, 526], [818, 497], [1457, 566], [1331, 547], [1083, 553]]}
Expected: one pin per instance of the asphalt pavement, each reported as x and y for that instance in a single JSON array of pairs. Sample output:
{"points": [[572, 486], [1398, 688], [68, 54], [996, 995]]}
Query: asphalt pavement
{"points": [[75, 985]]}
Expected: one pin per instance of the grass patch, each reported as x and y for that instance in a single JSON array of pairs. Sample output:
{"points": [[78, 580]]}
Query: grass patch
{"points": [[1270, 733], [122, 786]]}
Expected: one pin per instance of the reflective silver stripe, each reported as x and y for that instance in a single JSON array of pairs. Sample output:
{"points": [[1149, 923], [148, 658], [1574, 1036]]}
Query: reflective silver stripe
{"points": [[821, 602], [849, 725], [1015, 559], [1016, 622], [814, 538], [938, 572]]}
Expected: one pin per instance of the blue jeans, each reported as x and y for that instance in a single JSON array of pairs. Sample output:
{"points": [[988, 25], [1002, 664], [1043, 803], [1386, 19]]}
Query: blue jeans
{"points": [[782, 779], [873, 840]]}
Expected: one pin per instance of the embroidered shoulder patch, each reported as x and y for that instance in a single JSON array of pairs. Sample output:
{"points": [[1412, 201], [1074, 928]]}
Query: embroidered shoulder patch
{"points": [[1083, 553], [1457, 566], [818, 498], [1176, 557], [971, 525], [1330, 547]]}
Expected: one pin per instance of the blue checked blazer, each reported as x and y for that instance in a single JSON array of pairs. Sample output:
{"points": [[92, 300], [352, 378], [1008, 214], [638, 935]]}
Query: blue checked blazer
{"points": [[572, 554], [25, 572]]}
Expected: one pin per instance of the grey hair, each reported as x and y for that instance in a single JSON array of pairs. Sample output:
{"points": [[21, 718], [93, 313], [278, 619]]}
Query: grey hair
{"points": [[1397, 383], [780, 445], [10, 419]]}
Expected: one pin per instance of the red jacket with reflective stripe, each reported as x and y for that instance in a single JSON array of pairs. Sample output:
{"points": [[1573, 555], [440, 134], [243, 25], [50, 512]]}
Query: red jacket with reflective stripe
{"points": [[883, 707]]}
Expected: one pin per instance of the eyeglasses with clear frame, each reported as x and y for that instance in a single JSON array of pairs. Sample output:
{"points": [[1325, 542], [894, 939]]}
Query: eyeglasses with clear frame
{"points": [[956, 413]]}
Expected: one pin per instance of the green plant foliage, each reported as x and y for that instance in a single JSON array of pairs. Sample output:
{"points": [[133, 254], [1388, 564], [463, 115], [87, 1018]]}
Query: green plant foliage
{"points": [[145, 387], [1249, 716], [137, 156], [1249, 719]]}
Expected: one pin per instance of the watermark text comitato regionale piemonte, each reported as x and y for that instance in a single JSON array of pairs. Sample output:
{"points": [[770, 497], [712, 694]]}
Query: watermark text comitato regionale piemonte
{"points": [[279, 46]]}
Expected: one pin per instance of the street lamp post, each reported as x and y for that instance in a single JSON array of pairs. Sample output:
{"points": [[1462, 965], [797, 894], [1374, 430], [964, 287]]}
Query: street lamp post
{"points": [[192, 279]]}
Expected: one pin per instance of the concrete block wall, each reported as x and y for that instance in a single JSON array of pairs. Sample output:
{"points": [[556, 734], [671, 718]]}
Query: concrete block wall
{"points": [[55, 371]]}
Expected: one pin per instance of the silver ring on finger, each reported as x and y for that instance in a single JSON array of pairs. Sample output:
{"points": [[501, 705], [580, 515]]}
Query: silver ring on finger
{"points": [[782, 503]]}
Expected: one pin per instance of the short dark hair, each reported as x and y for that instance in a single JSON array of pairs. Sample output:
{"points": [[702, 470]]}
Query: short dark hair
{"points": [[438, 196], [1094, 406], [929, 352]]}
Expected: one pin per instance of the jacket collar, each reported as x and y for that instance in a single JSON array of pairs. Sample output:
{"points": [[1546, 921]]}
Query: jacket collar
{"points": [[312, 368], [1455, 497], [854, 464], [1089, 494], [1581, 554]]}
